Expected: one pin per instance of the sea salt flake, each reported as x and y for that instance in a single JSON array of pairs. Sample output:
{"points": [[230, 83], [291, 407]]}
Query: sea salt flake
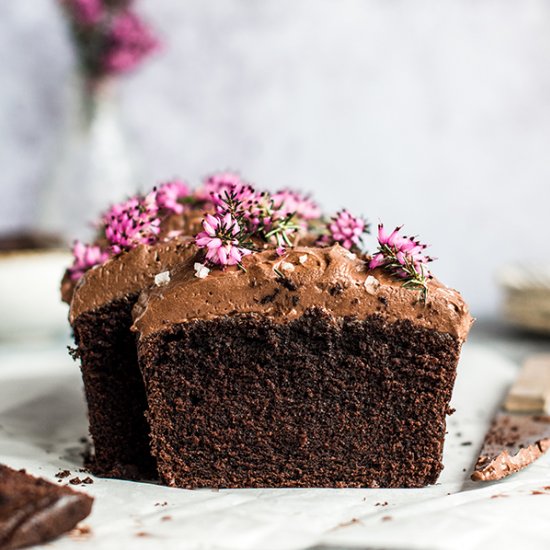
{"points": [[201, 271], [287, 266], [303, 259], [162, 278], [350, 255], [372, 284]]}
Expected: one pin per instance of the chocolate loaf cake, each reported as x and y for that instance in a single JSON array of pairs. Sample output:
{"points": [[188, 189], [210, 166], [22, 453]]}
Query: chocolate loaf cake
{"points": [[35, 511], [309, 367]]}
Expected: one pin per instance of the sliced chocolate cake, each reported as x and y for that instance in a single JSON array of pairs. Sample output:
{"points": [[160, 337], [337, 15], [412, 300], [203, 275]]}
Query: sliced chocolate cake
{"points": [[139, 242], [35, 511], [300, 366]]}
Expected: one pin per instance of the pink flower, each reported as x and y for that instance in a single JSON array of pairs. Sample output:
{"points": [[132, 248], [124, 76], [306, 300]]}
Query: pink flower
{"points": [[401, 253], [85, 12], [132, 223], [168, 195], [292, 202], [345, 229], [129, 41], [222, 237], [86, 256], [220, 183]]}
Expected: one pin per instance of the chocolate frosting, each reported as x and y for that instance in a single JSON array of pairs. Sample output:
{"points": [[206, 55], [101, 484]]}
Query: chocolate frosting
{"points": [[131, 271], [128, 273], [330, 278]]}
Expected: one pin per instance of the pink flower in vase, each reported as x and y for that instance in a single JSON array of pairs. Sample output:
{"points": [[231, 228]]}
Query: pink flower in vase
{"points": [[85, 12], [85, 256], [222, 238], [129, 41]]}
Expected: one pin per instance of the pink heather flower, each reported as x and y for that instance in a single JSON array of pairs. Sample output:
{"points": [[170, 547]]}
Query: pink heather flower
{"points": [[218, 187], [222, 237], [292, 202], [218, 184], [85, 12], [345, 229], [168, 194], [129, 41], [86, 256], [132, 223], [398, 250]]}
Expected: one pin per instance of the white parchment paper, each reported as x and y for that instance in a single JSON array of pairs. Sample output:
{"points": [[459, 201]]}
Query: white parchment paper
{"points": [[42, 418]]}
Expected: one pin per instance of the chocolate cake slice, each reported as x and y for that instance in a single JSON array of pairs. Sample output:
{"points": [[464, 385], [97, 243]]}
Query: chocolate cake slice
{"points": [[101, 317], [139, 242], [35, 511], [306, 369]]}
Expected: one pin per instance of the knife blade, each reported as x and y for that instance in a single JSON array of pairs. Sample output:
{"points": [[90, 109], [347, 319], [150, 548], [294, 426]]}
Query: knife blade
{"points": [[520, 433]]}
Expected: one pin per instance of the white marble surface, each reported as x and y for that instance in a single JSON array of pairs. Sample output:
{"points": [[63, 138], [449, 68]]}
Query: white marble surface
{"points": [[42, 418], [432, 114]]}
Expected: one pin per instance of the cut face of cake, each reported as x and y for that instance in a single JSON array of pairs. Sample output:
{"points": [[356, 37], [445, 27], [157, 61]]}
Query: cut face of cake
{"points": [[306, 368], [35, 511]]}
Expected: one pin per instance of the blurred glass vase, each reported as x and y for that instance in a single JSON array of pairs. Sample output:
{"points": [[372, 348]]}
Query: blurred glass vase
{"points": [[93, 164]]}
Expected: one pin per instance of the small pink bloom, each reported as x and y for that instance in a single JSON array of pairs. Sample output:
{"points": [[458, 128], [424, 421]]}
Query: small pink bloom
{"points": [[168, 195], [221, 236], [220, 183], [376, 261], [85, 257], [402, 254], [129, 41], [291, 202], [85, 12], [345, 229], [132, 223]]}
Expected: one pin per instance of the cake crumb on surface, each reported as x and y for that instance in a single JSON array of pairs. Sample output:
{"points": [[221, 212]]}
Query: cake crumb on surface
{"points": [[63, 474], [352, 521], [80, 532]]}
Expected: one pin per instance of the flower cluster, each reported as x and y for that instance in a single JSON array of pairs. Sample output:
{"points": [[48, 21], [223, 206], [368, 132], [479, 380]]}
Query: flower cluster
{"points": [[85, 257], [224, 239], [291, 202], [345, 229], [132, 222], [260, 216], [111, 38], [403, 257], [169, 195], [129, 41]]}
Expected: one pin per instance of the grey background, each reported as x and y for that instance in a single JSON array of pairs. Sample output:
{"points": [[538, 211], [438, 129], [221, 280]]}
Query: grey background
{"points": [[435, 114]]}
